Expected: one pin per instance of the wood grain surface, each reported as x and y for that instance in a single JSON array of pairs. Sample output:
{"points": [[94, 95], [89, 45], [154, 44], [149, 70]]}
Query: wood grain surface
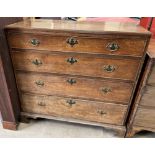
{"points": [[87, 44], [85, 65], [151, 78], [83, 88], [151, 48], [145, 117], [148, 98], [81, 109], [80, 27]]}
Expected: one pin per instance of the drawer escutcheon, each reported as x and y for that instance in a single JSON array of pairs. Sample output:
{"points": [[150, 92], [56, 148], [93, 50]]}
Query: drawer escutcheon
{"points": [[39, 83], [37, 62], [42, 104], [72, 41], [71, 102], [106, 90], [71, 60], [112, 47], [109, 68], [71, 81], [35, 42], [101, 112]]}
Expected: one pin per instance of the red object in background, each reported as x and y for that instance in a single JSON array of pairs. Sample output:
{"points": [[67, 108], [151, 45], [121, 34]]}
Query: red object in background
{"points": [[113, 19], [152, 29], [145, 22], [148, 23]]}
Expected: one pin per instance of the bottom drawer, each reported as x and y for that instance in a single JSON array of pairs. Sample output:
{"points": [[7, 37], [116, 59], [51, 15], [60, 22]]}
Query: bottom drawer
{"points": [[74, 108], [145, 118]]}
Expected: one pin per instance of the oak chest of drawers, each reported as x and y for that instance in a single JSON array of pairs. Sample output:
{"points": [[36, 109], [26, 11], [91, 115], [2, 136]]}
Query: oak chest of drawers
{"points": [[77, 71]]}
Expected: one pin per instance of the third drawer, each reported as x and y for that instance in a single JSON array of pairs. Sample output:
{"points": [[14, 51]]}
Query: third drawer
{"points": [[87, 88]]}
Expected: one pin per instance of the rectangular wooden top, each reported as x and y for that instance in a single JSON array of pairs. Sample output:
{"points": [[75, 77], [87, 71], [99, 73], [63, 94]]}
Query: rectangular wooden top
{"points": [[80, 27], [151, 48]]}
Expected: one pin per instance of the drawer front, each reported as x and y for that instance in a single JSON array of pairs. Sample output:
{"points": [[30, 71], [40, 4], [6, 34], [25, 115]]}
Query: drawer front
{"points": [[74, 108], [76, 64], [148, 97], [151, 80], [145, 118], [118, 46], [104, 90]]}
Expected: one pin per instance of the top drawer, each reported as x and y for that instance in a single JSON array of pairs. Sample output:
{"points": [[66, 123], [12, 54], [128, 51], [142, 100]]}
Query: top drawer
{"points": [[83, 44]]}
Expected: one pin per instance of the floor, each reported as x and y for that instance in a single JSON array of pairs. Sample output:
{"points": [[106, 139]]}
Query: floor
{"points": [[56, 129]]}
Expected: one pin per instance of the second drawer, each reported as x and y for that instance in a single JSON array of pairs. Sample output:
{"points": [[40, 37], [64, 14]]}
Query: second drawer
{"points": [[76, 64], [105, 90]]}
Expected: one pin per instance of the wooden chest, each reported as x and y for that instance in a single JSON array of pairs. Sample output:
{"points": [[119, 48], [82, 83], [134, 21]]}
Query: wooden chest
{"points": [[77, 71], [143, 111]]}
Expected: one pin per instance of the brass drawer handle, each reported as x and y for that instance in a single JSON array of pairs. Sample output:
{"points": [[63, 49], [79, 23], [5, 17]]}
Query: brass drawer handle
{"points": [[109, 68], [42, 104], [71, 102], [72, 41], [37, 62], [35, 42], [39, 83], [112, 47], [106, 90], [71, 81], [71, 60], [101, 112]]}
